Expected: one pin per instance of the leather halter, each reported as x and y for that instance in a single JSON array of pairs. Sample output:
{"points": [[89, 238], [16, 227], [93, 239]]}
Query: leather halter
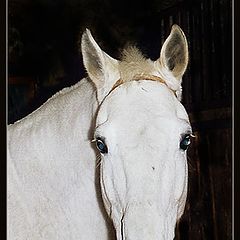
{"points": [[139, 77]]}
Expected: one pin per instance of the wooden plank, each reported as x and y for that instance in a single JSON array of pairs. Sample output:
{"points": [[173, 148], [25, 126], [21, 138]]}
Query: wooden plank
{"points": [[211, 114], [220, 168]]}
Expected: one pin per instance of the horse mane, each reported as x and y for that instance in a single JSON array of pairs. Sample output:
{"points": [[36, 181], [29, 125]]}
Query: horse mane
{"points": [[133, 63]]}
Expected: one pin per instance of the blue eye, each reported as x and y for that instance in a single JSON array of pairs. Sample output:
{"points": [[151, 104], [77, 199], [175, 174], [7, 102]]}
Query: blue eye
{"points": [[185, 142], [101, 146]]}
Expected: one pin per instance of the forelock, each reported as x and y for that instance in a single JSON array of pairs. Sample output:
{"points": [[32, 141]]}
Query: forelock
{"points": [[133, 63]]}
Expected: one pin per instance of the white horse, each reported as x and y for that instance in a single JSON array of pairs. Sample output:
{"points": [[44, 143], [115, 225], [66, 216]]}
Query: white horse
{"points": [[129, 111]]}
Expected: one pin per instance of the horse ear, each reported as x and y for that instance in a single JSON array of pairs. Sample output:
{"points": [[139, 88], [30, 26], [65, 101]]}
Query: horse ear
{"points": [[174, 53], [101, 68]]}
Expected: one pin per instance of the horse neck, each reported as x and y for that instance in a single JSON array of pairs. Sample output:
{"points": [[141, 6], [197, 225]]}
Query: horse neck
{"points": [[58, 134], [51, 160]]}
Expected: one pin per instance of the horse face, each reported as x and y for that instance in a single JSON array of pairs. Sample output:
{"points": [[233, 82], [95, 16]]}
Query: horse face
{"points": [[140, 132]]}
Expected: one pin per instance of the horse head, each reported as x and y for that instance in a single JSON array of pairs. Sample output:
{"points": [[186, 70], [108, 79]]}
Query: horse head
{"points": [[142, 133]]}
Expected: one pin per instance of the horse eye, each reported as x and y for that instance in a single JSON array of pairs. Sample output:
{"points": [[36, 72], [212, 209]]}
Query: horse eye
{"points": [[185, 142], [101, 146]]}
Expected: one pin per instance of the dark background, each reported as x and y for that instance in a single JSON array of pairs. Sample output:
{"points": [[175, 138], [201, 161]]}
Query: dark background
{"points": [[44, 56]]}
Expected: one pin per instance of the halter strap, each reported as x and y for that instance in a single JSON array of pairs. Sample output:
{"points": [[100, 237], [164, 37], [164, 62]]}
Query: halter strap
{"points": [[143, 77]]}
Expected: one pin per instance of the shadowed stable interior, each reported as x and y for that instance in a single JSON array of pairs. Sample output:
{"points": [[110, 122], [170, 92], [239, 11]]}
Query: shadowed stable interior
{"points": [[44, 57]]}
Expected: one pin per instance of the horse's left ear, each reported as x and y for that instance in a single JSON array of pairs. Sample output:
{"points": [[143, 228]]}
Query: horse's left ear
{"points": [[174, 53], [101, 68]]}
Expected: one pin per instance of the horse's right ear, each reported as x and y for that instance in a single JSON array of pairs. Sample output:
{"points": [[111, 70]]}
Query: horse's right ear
{"points": [[101, 68], [174, 53]]}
